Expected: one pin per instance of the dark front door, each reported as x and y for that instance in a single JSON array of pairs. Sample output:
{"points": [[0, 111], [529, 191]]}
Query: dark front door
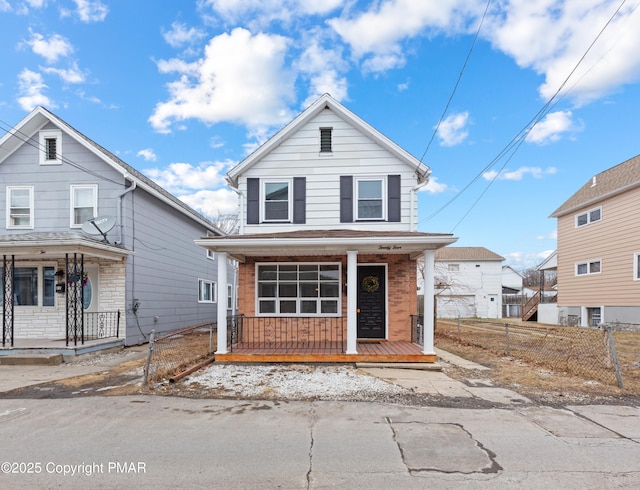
{"points": [[371, 302]]}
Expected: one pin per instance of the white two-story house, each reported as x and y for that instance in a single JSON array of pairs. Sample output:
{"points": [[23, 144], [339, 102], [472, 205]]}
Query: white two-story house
{"points": [[328, 246]]}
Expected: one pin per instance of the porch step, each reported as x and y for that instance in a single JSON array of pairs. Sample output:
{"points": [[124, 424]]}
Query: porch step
{"points": [[422, 366], [31, 360]]}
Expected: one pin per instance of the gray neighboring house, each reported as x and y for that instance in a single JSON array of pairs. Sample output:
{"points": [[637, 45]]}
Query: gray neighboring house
{"points": [[63, 282]]}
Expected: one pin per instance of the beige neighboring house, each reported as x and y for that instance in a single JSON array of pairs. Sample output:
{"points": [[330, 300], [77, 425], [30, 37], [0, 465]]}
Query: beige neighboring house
{"points": [[468, 283], [599, 249]]}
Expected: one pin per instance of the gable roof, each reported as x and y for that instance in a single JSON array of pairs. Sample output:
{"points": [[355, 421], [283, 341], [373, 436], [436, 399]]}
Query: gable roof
{"points": [[466, 253], [327, 102], [606, 184], [39, 117]]}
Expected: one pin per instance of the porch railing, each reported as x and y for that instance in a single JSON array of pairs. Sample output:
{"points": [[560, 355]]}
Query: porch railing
{"points": [[286, 334], [417, 329], [101, 325]]}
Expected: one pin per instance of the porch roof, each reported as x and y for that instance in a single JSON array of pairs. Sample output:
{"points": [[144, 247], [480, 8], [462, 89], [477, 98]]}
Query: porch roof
{"points": [[326, 242], [56, 244]]}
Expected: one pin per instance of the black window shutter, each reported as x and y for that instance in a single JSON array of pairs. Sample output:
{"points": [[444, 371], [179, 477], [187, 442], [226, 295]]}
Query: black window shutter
{"points": [[253, 201], [299, 199], [346, 199], [393, 195]]}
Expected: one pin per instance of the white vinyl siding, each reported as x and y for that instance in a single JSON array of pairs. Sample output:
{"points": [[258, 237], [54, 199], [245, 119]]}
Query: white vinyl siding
{"points": [[50, 142], [20, 214], [353, 154], [84, 204]]}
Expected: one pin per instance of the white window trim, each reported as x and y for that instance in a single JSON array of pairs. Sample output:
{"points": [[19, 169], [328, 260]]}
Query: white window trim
{"points": [[588, 215], [30, 226], [588, 263], [214, 291], [42, 137], [72, 188], [229, 296], [263, 200], [40, 266], [298, 298], [636, 259], [383, 180]]}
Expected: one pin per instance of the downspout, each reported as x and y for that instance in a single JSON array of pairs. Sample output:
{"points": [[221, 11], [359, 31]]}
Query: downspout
{"points": [[240, 207], [131, 188], [414, 204]]}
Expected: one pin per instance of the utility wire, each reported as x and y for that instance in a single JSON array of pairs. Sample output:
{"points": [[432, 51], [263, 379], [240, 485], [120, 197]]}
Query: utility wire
{"points": [[520, 137], [25, 138], [455, 87]]}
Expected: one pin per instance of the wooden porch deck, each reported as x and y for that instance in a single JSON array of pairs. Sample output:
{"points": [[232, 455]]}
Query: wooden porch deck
{"points": [[383, 351]]}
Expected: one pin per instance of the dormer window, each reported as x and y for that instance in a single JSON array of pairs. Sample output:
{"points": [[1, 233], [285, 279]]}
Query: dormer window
{"points": [[325, 140], [50, 147]]}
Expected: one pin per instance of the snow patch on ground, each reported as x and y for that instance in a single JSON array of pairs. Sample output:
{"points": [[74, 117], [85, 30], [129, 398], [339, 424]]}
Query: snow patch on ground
{"points": [[293, 381]]}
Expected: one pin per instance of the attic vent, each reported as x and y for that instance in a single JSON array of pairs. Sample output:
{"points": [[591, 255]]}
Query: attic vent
{"points": [[50, 148], [325, 140]]}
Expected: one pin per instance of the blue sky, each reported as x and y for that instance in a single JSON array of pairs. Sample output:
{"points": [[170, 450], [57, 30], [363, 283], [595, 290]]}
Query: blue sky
{"points": [[184, 90]]}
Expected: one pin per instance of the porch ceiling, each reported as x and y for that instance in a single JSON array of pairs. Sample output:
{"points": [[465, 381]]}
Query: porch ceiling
{"points": [[326, 242], [55, 245]]}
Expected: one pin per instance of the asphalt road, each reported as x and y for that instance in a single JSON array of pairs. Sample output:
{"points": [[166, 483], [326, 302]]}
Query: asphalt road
{"points": [[170, 442]]}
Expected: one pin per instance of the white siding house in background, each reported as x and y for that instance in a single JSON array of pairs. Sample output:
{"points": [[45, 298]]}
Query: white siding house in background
{"points": [[468, 283], [512, 290]]}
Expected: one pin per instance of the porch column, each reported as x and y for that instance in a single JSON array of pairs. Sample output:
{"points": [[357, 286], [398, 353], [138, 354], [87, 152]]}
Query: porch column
{"points": [[428, 289], [352, 301], [222, 305]]}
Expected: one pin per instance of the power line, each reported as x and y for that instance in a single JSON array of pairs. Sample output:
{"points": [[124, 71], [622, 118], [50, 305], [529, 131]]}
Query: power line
{"points": [[521, 136], [455, 87], [25, 138]]}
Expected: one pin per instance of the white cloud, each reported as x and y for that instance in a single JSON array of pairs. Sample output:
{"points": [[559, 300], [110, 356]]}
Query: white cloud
{"points": [[569, 28], [177, 178], [260, 13], [70, 75], [91, 10], [220, 202], [31, 88], [50, 49], [553, 235], [179, 35], [241, 78], [148, 154], [434, 187], [551, 127], [453, 129], [521, 261], [519, 174]]}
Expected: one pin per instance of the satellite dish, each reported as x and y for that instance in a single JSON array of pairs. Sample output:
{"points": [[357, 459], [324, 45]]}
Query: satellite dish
{"points": [[100, 225]]}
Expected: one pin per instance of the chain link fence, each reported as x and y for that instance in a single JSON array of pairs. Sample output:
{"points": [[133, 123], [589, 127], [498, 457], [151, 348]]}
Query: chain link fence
{"points": [[585, 352], [172, 354]]}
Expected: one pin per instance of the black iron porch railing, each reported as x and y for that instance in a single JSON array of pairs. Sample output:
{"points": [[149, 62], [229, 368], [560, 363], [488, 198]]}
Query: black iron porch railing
{"points": [[417, 329], [101, 325], [286, 334]]}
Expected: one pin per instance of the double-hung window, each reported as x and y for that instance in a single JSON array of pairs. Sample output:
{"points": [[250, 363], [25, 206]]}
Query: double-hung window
{"points": [[206, 291], [305, 289], [20, 207], [32, 286], [370, 198], [589, 217], [84, 203], [588, 267], [50, 147], [277, 200]]}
